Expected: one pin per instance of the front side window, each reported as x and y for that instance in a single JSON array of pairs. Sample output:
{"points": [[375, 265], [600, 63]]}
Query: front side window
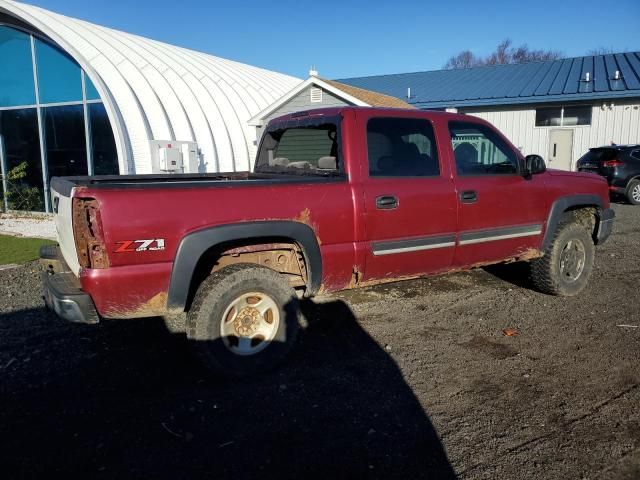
{"points": [[479, 150], [401, 147]]}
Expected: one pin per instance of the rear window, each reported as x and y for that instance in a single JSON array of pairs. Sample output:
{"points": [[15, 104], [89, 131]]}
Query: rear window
{"points": [[597, 155], [300, 150]]}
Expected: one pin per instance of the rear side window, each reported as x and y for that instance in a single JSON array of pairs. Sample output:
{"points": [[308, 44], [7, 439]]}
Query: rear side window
{"points": [[479, 150], [401, 147], [636, 154]]}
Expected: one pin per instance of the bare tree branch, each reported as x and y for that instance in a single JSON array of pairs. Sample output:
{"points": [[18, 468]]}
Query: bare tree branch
{"points": [[505, 53]]}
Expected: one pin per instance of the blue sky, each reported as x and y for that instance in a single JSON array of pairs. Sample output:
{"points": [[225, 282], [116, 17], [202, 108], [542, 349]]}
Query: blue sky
{"points": [[356, 38]]}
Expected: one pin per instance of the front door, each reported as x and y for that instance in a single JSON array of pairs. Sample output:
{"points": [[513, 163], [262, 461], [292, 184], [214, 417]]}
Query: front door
{"points": [[502, 214], [560, 148], [411, 207]]}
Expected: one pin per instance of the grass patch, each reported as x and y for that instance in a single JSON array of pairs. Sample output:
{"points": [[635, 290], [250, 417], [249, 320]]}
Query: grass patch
{"points": [[20, 249]]}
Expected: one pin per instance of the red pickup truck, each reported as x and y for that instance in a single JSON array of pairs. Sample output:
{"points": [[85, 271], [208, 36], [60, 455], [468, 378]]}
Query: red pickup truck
{"points": [[339, 198]]}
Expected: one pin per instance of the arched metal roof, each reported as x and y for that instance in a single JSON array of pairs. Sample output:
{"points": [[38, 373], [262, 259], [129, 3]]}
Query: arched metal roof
{"points": [[156, 91]]}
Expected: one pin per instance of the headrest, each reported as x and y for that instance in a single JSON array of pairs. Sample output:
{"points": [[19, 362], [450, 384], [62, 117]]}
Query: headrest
{"points": [[327, 163]]}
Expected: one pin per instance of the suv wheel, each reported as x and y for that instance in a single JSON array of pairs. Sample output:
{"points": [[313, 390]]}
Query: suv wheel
{"points": [[633, 192], [244, 320], [567, 263]]}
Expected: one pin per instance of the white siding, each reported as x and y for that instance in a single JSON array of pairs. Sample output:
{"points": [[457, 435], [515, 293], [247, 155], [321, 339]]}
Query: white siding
{"points": [[619, 124]]}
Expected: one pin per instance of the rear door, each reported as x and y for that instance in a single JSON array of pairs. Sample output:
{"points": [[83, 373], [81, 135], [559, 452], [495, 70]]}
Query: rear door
{"points": [[502, 214], [410, 203]]}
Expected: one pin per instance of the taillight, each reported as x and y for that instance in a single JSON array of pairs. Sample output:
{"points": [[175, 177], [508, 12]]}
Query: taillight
{"points": [[87, 232], [612, 163]]}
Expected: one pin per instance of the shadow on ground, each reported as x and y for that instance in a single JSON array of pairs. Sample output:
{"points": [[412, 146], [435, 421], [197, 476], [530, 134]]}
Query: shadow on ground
{"points": [[518, 273], [128, 399]]}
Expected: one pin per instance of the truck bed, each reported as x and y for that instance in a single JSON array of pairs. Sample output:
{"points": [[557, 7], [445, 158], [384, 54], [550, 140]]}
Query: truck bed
{"points": [[64, 185]]}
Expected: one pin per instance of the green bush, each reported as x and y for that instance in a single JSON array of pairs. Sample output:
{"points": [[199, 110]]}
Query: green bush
{"points": [[19, 195]]}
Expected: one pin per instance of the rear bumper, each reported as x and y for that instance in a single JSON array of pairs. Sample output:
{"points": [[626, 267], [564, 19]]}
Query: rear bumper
{"points": [[61, 290], [605, 226]]}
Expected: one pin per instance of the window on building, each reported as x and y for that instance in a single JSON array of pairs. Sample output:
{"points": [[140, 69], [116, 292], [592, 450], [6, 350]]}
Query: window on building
{"points": [[59, 78], [401, 147], [62, 129], [105, 156], [576, 116], [549, 117], [90, 89], [16, 68], [567, 116], [19, 130], [478, 150], [65, 141]]}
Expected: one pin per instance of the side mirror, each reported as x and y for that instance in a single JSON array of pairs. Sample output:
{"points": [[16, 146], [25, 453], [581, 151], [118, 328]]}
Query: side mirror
{"points": [[534, 164]]}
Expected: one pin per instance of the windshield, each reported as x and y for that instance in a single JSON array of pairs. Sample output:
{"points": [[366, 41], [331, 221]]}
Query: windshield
{"points": [[300, 148]]}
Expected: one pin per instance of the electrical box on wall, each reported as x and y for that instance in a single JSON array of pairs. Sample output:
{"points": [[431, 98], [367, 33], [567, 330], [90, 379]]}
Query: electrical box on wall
{"points": [[173, 156], [170, 159]]}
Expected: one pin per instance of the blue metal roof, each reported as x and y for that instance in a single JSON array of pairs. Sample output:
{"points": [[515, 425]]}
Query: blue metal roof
{"points": [[569, 79]]}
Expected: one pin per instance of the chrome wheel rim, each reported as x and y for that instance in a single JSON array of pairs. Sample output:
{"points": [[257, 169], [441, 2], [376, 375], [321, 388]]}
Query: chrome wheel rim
{"points": [[572, 260], [635, 193], [250, 323]]}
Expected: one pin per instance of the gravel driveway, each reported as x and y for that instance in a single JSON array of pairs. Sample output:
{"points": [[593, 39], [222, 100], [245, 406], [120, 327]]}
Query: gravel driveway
{"points": [[408, 380]]}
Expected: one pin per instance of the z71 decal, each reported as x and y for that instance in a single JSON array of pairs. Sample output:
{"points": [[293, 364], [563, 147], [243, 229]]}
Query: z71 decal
{"points": [[151, 245]]}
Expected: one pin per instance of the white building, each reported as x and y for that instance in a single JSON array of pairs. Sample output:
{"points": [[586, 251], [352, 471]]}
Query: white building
{"points": [[556, 109], [78, 98]]}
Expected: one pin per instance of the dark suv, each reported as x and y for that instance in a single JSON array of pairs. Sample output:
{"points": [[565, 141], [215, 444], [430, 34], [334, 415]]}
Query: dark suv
{"points": [[619, 164]]}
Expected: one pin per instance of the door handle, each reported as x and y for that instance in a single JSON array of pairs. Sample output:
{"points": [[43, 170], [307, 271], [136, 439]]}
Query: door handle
{"points": [[555, 147], [469, 196], [386, 202]]}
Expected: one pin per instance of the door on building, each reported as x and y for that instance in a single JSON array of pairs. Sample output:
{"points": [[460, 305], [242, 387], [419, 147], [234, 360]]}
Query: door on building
{"points": [[560, 148]]}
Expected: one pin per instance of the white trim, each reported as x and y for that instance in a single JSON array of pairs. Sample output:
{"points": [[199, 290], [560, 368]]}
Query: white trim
{"points": [[258, 120], [501, 237], [378, 253], [46, 188]]}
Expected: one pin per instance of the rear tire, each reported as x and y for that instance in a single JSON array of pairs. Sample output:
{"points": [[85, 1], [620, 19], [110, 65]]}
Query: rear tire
{"points": [[244, 320], [565, 268], [633, 192]]}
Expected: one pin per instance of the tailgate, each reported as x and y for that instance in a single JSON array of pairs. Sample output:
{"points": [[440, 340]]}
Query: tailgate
{"points": [[61, 200]]}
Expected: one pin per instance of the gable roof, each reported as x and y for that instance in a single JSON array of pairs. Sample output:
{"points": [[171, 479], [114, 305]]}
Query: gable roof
{"points": [[580, 78], [354, 95], [371, 98]]}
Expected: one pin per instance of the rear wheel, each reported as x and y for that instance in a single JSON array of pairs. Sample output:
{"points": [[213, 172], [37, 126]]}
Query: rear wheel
{"points": [[244, 320], [633, 192], [567, 263]]}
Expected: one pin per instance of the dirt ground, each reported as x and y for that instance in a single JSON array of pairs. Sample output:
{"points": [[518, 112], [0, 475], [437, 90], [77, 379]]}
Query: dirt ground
{"points": [[408, 380]]}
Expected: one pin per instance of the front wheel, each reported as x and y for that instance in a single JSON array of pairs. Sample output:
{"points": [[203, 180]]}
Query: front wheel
{"points": [[244, 320], [566, 265], [633, 192]]}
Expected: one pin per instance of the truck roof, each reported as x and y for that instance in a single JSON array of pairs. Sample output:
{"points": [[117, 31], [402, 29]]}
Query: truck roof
{"points": [[334, 111]]}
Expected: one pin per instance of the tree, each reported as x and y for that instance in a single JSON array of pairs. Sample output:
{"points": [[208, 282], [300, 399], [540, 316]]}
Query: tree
{"points": [[465, 59], [505, 53], [600, 51]]}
